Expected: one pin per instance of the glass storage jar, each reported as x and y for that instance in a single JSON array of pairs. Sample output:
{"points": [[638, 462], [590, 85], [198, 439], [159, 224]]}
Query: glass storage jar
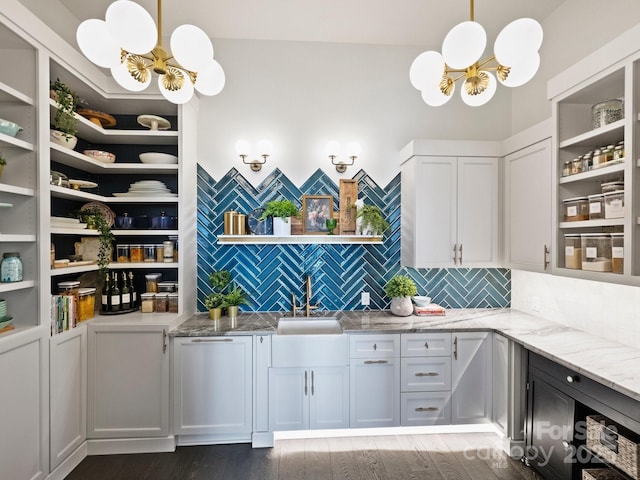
{"points": [[612, 186], [151, 281], [596, 252], [606, 112], [149, 253], [86, 303], [573, 251], [71, 287], [147, 302], [607, 154], [596, 160], [122, 252], [136, 253], [161, 302], [11, 267], [566, 168], [614, 204], [159, 253], [617, 252], [618, 151], [576, 209], [166, 287], [596, 206], [172, 303], [576, 165]]}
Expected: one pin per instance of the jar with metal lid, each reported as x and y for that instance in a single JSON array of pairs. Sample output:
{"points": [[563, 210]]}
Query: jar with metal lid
{"points": [[597, 158], [149, 252], [167, 248], [172, 303], [122, 252], [71, 287], [151, 281], [147, 302], [566, 168], [587, 161], [161, 302], [576, 165], [136, 253], [618, 151], [86, 303], [11, 267], [607, 154], [159, 253]]}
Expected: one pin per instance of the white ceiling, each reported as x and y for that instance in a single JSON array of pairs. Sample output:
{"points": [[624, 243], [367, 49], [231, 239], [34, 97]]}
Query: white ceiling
{"points": [[383, 22]]}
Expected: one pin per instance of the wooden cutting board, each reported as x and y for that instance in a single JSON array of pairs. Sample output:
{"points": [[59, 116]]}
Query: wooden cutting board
{"points": [[348, 196]]}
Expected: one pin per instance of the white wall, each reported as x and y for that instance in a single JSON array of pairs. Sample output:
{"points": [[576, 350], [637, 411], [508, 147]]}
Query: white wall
{"points": [[576, 29], [603, 309]]}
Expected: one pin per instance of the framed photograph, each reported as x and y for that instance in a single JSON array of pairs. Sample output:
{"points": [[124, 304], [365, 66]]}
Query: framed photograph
{"points": [[316, 209]]}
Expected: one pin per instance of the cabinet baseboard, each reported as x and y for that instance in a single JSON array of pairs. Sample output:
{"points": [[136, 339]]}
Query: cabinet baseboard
{"points": [[112, 446]]}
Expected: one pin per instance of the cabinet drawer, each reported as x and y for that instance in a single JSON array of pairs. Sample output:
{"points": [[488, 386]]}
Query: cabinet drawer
{"points": [[425, 408], [374, 346], [425, 344], [425, 374]]}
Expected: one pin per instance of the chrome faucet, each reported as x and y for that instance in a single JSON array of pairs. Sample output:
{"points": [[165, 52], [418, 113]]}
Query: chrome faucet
{"points": [[307, 307]]}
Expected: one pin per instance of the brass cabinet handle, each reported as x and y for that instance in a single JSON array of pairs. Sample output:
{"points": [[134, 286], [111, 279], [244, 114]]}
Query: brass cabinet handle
{"points": [[426, 374], [212, 340], [455, 348], [426, 409], [370, 362]]}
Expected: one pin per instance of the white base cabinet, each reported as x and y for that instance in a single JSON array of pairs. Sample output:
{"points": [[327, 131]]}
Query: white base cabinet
{"points": [[471, 374], [22, 420], [67, 393], [374, 370], [213, 386], [128, 381]]}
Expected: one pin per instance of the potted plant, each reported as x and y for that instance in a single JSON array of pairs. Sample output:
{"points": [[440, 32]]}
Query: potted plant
{"points": [[64, 122], [3, 162], [369, 220], [233, 299], [281, 211], [400, 289], [219, 281], [95, 220]]}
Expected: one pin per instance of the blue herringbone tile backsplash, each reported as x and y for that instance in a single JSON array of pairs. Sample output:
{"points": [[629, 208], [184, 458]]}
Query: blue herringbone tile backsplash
{"points": [[271, 273]]}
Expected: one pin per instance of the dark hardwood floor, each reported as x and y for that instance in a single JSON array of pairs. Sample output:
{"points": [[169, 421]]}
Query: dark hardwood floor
{"points": [[473, 456]]}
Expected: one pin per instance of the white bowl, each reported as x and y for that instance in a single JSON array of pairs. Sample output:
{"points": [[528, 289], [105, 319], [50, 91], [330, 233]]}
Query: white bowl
{"points": [[158, 157], [421, 301], [100, 155], [59, 138]]}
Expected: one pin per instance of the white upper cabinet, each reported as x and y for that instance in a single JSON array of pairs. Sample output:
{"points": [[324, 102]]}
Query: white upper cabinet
{"points": [[450, 215]]}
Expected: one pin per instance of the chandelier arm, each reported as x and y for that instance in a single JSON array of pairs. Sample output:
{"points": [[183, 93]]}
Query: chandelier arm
{"points": [[159, 41], [462, 75], [147, 56], [484, 62], [471, 11]]}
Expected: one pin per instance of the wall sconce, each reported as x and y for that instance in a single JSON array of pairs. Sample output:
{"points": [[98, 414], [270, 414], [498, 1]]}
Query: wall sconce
{"points": [[243, 149], [353, 151]]}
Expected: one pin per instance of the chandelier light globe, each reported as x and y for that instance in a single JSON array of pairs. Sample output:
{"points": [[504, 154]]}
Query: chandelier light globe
{"points": [[464, 45], [211, 79], [171, 91], [191, 47], [105, 53], [522, 71], [332, 149], [522, 36], [353, 149], [122, 76], [426, 70], [475, 97], [131, 26], [434, 97], [265, 147], [243, 148]]}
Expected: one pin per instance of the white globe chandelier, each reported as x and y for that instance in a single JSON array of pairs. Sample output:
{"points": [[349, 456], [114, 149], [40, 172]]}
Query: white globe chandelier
{"points": [[128, 43], [515, 61]]}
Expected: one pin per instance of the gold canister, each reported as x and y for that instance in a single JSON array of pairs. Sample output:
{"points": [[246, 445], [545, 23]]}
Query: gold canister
{"points": [[228, 222], [239, 221]]}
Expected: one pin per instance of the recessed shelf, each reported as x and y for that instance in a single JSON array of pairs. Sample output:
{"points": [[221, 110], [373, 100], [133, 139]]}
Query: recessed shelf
{"points": [[74, 159], [91, 132], [9, 238], [27, 192], [71, 194], [591, 174], [114, 266], [605, 222], [11, 287], [9, 141], [9, 95], [611, 133], [297, 239]]}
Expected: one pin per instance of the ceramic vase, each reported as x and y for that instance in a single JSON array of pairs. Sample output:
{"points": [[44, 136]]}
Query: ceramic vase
{"points": [[282, 226], [401, 306], [59, 138], [215, 313]]}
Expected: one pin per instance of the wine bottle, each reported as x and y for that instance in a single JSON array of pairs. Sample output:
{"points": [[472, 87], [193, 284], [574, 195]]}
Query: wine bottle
{"points": [[132, 292], [126, 296], [106, 293], [115, 294]]}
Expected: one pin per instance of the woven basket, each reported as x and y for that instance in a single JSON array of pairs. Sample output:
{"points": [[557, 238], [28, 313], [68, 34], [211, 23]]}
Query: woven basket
{"points": [[614, 443], [601, 474]]}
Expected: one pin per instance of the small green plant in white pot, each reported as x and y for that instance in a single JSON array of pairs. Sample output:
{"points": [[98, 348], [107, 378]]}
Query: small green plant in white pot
{"points": [[281, 211], [369, 219], [400, 289]]}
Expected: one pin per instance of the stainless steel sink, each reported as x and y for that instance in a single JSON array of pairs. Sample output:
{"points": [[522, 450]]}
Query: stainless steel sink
{"points": [[309, 326]]}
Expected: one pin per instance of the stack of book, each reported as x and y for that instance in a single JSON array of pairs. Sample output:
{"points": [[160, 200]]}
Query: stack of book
{"points": [[430, 310], [64, 313]]}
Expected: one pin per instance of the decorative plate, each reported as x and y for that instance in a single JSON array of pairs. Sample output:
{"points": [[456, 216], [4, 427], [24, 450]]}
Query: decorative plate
{"points": [[78, 184], [107, 213], [257, 226], [99, 118], [154, 122]]}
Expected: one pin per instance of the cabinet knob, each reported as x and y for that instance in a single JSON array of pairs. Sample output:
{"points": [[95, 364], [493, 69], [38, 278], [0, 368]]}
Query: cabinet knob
{"points": [[571, 378], [566, 444]]}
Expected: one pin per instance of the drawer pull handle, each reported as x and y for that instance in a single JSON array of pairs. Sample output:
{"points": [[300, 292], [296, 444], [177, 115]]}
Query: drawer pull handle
{"points": [[427, 374], [211, 340], [426, 409], [371, 362]]}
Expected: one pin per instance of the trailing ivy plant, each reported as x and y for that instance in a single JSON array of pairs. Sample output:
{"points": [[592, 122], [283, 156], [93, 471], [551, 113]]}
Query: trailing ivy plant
{"points": [[372, 217], [95, 220], [64, 120]]}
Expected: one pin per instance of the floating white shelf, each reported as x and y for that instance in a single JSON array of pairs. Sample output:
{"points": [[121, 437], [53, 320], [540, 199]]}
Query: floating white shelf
{"points": [[114, 266], [611, 133], [593, 174], [605, 222], [10, 287], [6, 238], [7, 140], [10, 94], [27, 192], [297, 239], [71, 194]]}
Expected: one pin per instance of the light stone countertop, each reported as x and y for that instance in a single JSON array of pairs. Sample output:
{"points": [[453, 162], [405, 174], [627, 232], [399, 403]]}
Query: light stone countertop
{"points": [[610, 363]]}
